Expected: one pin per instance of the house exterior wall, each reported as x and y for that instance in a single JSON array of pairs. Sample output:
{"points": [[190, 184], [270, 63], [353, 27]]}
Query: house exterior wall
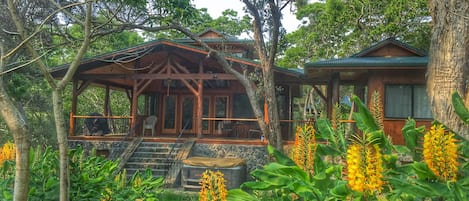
{"points": [[377, 81]]}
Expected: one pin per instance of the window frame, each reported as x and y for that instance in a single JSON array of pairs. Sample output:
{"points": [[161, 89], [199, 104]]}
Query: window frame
{"points": [[412, 102]]}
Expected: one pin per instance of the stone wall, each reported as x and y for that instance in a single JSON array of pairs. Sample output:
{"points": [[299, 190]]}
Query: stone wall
{"points": [[111, 149], [256, 156]]}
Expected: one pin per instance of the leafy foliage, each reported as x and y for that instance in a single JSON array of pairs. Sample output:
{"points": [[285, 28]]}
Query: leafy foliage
{"points": [[337, 28], [92, 178], [402, 181]]}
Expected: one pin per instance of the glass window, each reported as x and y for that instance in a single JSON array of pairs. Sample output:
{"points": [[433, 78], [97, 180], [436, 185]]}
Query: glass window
{"points": [[403, 101], [242, 107], [187, 112], [205, 113], [170, 112], [221, 107]]}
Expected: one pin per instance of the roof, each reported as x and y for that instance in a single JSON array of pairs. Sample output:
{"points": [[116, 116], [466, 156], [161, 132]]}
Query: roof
{"points": [[370, 62], [161, 44], [377, 56], [389, 41]]}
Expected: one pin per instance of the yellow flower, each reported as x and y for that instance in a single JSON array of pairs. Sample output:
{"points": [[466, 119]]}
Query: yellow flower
{"points": [[212, 186], [364, 168], [440, 153], [304, 148], [7, 152]]}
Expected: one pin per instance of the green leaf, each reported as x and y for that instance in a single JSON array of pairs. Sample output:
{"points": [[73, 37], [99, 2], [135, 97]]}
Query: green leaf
{"points": [[411, 135], [364, 119], [291, 171], [258, 185], [280, 157], [422, 171], [240, 195], [272, 177], [459, 107], [460, 193], [341, 190]]}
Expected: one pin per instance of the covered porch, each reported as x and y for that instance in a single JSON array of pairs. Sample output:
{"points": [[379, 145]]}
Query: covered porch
{"points": [[185, 91]]}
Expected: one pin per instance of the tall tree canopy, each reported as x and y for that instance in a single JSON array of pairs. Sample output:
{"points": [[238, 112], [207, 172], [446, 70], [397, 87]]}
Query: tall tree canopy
{"points": [[338, 28]]}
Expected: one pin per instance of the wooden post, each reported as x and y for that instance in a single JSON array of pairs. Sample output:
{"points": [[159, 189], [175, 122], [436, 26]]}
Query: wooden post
{"points": [[199, 95], [106, 101], [71, 130], [333, 90]]}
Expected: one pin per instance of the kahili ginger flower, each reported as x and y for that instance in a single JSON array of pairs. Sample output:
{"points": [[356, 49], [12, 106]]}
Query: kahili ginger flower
{"points": [[213, 186], [440, 153], [364, 167], [7, 152], [304, 148]]}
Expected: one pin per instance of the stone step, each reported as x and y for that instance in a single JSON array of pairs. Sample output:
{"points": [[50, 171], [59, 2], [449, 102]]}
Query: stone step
{"points": [[155, 172], [158, 157], [149, 160], [152, 155], [143, 166]]}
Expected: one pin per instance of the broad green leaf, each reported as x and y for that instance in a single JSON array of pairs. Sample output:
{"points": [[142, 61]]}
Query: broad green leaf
{"points": [[341, 190], [272, 177], [280, 157], [291, 171], [258, 185], [411, 134], [363, 117], [459, 107], [240, 195], [422, 171]]}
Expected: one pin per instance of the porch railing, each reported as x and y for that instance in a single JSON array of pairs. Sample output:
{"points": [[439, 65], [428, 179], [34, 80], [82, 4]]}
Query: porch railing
{"points": [[246, 128], [83, 125]]}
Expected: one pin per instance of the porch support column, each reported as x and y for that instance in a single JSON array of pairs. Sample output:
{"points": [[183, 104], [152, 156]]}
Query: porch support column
{"points": [[72, 125], [333, 93], [198, 118], [199, 95], [106, 101], [134, 104]]}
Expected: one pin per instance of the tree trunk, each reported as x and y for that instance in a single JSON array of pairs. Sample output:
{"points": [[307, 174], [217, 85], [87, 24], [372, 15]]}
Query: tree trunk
{"points": [[16, 122], [448, 65], [62, 143]]}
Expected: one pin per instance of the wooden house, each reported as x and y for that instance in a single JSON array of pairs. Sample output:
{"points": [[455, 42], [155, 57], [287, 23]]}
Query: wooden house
{"points": [[394, 69], [184, 89]]}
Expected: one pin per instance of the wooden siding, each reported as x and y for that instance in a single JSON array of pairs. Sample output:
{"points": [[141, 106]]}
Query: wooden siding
{"points": [[377, 81]]}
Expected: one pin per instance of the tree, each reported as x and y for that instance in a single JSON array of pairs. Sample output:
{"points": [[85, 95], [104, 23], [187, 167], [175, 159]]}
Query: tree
{"points": [[16, 121], [57, 88], [337, 28], [448, 66]]}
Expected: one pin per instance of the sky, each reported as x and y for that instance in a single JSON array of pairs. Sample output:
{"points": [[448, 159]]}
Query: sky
{"points": [[216, 7]]}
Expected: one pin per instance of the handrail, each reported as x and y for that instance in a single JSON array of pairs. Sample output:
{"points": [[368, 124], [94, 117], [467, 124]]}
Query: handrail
{"points": [[172, 147]]}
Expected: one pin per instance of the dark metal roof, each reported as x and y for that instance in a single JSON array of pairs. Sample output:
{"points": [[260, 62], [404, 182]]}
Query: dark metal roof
{"points": [[371, 62], [387, 41], [361, 59]]}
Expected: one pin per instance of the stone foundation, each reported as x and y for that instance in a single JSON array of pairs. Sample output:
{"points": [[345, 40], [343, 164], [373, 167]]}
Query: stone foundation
{"points": [[110, 149]]}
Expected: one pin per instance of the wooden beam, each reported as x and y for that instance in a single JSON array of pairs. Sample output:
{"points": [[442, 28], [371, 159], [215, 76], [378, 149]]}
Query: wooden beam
{"points": [[163, 76], [319, 92]]}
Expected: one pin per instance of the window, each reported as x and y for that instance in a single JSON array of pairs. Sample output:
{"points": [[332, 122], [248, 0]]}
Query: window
{"points": [[402, 101]]}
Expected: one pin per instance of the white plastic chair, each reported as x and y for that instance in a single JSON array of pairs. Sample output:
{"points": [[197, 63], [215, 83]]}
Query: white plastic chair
{"points": [[149, 123]]}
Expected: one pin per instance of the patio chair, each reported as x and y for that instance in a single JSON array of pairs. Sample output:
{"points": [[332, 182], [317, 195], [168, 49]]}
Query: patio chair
{"points": [[149, 123]]}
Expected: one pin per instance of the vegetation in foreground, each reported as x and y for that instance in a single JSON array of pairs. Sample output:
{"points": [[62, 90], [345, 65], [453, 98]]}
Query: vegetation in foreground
{"points": [[366, 166], [324, 165]]}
